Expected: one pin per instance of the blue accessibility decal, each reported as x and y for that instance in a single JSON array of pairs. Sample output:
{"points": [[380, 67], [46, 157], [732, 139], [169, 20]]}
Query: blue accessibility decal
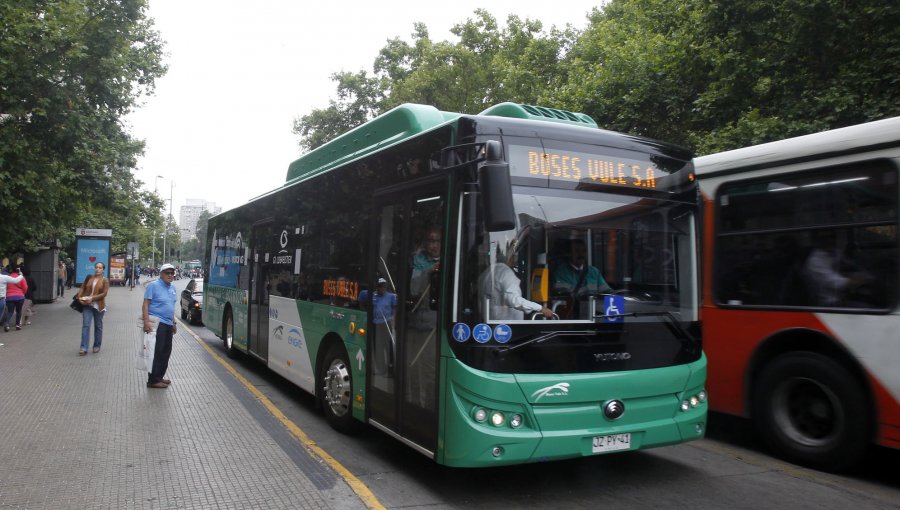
{"points": [[613, 305], [461, 332], [502, 333], [481, 333]]}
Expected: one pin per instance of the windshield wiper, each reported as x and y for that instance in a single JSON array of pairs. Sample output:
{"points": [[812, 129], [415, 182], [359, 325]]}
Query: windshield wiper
{"points": [[681, 332], [672, 322], [543, 338]]}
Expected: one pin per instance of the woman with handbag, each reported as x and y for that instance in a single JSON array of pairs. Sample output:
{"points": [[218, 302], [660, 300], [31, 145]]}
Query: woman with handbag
{"points": [[93, 296]]}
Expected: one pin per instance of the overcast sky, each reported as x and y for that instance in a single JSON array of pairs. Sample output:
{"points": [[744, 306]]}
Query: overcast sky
{"points": [[219, 125]]}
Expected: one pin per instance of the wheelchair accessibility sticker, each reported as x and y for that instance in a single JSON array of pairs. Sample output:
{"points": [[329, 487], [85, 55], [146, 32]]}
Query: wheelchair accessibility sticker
{"points": [[613, 305], [482, 333]]}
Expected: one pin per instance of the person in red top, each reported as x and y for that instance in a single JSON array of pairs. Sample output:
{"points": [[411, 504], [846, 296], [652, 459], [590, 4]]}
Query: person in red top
{"points": [[15, 298], [5, 281]]}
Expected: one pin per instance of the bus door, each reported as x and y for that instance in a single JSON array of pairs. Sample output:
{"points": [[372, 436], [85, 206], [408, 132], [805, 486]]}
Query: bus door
{"points": [[404, 348], [260, 263]]}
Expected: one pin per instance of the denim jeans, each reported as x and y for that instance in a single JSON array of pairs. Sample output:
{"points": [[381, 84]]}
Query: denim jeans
{"points": [[14, 308], [90, 313]]}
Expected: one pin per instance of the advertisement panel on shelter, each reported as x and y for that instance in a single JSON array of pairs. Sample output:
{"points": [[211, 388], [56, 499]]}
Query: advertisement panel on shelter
{"points": [[117, 269], [88, 253]]}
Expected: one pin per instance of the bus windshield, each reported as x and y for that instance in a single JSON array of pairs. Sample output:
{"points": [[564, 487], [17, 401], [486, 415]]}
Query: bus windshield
{"points": [[586, 256]]}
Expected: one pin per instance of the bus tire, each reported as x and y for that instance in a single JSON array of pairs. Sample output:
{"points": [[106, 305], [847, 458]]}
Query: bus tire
{"points": [[811, 410], [228, 335], [336, 386]]}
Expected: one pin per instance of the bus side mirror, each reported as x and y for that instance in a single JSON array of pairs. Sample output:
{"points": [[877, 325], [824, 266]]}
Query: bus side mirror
{"points": [[496, 190]]}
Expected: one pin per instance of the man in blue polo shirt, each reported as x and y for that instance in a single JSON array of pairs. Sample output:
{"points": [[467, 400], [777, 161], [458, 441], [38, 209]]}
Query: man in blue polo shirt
{"points": [[384, 307], [158, 313]]}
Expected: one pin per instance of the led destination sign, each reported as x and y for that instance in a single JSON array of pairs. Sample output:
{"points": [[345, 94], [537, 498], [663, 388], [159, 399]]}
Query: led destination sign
{"points": [[582, 167]]}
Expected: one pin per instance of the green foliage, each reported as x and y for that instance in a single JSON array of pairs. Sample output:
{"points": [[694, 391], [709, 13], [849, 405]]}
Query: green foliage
{"points": [[708, 75], [716, 76], [201, 228], [485, 66], [69, 72]]}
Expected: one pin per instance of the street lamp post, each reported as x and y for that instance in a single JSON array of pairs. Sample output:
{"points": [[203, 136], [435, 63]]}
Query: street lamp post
{"points": [[153, 251], [166, 222]]}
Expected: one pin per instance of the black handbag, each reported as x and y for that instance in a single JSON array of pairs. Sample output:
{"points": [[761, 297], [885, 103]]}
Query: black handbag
{"points": [[76, 305]]}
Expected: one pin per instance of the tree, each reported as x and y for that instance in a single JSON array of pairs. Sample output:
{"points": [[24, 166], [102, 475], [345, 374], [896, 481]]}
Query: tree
{"points": [[715, 76], [707, 75], [201, 227], [69, 72], [485, 66]]}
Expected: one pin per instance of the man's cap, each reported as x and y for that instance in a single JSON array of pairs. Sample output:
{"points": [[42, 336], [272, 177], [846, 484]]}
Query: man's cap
{"points": [[382, 281], [166, 266]]}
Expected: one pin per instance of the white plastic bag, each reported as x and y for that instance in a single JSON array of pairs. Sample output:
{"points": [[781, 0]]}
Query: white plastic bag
{"points": [[147, 346], [144, 360]]}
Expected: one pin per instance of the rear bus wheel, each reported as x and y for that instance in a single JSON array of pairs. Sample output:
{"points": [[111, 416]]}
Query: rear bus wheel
{"points": [[228, 335], [812, 411], [336, 383]]}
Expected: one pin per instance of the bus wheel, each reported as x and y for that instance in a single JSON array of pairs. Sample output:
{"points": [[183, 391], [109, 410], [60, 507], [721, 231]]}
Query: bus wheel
{"points": [[336, 382], [812, 411], [228, 335]]}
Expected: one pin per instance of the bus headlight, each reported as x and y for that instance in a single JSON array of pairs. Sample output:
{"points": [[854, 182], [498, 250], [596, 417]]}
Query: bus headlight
{"points": [[515, 421], [497, 419], [480, 414], [693, 401]]}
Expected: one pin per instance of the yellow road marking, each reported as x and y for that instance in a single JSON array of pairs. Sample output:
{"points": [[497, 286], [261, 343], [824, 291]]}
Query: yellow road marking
{"points": [[361, 490]]}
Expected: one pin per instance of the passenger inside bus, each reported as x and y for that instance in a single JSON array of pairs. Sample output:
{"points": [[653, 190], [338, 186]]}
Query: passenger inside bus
{"points": [[831, 278], [422, 319], [503, 289]]}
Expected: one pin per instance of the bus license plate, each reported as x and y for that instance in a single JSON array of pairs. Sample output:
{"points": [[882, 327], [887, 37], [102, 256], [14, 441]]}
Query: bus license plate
{"points": [[611, 443]]}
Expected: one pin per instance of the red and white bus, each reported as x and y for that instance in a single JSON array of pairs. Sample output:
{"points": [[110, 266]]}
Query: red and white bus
{"points": [[801, 319]]}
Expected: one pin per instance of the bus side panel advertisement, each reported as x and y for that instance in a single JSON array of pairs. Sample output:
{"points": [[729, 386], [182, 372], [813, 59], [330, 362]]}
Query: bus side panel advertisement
{"points": [[288, 349]]}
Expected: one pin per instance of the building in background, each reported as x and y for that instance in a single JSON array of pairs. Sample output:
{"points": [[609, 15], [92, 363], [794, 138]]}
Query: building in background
{"points": [[190, 213]]}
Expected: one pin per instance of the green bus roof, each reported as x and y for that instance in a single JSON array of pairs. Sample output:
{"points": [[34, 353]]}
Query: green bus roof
{"points": [[406, 121]]}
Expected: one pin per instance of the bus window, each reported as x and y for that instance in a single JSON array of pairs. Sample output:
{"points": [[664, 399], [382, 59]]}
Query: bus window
{"points": [[821, 239], [587, 249]]}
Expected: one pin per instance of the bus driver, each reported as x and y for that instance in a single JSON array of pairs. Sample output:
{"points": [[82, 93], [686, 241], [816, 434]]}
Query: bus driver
{"points": [[575, 277]]}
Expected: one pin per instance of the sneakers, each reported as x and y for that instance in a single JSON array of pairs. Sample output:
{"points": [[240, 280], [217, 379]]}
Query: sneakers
{"points": [[82, 353], [160, 385], [18, 327], [6, 328], [166, 381]]}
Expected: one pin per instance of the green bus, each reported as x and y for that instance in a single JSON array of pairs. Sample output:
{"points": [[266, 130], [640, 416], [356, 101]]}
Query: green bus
{"points": [[508, 287]]}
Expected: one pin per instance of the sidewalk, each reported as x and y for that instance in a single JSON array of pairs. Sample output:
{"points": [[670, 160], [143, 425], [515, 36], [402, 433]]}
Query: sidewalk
{"points": [[85, 432]]}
